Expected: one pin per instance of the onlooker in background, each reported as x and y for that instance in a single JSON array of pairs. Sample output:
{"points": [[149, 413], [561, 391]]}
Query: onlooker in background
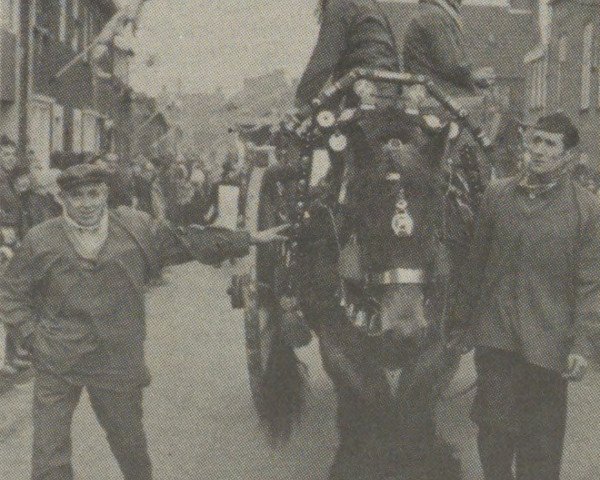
{"points": [[180, 193], [11, 210], [42, 201], [144, 175], [160, 187], [11, 226], [192, 198], [121, 188]]}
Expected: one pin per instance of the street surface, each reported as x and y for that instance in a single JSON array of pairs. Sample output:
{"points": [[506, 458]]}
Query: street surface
{"points": [[199, 413]]}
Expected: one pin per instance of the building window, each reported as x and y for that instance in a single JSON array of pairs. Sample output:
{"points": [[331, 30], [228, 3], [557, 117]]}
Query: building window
{"points": [[538, 72], [90, 132], [563, 45], [586, 67], [58, 128], [62, 33], [39, 128], [531, 85], [77, 131]]}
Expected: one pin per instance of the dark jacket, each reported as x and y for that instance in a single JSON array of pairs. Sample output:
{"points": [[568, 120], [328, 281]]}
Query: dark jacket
{"points": [[11, 210], [434, 45], [535, 272], [88, 318], [354, 33]]}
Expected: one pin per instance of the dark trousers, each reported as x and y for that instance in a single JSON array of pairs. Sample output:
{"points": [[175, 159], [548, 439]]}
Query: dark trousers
{"points": [[521, 413], [119, 414]]}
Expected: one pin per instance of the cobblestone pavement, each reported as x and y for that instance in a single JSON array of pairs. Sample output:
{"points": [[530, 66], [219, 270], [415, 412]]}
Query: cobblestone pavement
{"points": [[199, 414]]}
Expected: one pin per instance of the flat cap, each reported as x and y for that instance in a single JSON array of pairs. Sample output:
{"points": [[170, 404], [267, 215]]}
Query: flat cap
{"points": [[557, 122], [82, 174]]}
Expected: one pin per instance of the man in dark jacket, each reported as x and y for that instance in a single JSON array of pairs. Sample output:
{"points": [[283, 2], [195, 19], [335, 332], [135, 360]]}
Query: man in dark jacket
{"points": [[58, 296], [434, 45], [354, 33], [535, 298]]}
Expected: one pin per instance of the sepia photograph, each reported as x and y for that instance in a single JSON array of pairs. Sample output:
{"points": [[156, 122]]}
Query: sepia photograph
{"points": [[299, 239]]}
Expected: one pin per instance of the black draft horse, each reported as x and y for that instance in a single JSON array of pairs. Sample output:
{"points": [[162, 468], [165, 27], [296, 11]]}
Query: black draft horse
{"points": [[442, 178]]}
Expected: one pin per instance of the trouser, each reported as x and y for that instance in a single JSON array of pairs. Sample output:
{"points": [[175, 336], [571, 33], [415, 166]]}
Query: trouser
{"points": [[118, 412], [521, 413]]}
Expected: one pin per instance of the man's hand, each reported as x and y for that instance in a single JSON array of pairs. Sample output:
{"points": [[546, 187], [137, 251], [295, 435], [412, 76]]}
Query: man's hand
{"points": [[577, 366], [270, 235]]}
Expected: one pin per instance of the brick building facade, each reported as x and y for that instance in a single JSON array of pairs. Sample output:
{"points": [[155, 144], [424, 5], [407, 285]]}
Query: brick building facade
{"points": [[9, 28], [564, 71], [77, 111]]}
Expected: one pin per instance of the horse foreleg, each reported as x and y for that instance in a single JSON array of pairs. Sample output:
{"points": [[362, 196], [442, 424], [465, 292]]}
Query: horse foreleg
{"points": [[363, 398]]}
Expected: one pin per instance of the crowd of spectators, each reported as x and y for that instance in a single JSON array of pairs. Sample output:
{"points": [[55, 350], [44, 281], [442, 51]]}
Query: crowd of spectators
{"points": [[166, 187]]}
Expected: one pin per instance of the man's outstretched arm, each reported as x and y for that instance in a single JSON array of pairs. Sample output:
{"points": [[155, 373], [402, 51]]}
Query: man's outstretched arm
{"points": [[209, 245]]}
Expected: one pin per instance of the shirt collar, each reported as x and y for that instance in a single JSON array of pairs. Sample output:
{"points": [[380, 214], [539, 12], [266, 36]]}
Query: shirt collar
{"points": [[535, 185], [72, 225]]}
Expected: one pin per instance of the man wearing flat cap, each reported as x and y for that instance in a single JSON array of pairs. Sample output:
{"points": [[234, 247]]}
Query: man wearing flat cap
{"points": [[535, 305], [74, 294]]}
